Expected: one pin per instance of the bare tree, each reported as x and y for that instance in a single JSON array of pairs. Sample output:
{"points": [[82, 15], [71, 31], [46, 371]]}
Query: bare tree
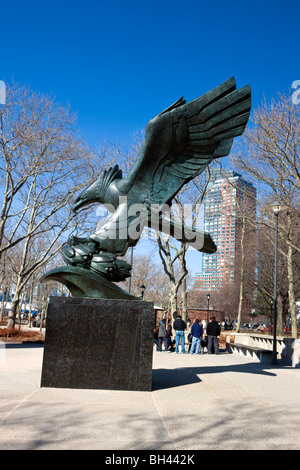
{"points": [[42, 160], [148, 272], [43, 164], [169, 253], [269, 154], [186, 211]]}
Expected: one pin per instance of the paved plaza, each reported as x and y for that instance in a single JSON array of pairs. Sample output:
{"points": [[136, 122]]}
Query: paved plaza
{"points": [[210, 402]]}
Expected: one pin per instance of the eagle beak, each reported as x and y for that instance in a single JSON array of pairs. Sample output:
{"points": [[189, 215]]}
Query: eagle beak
{"points": [[77, 204]]}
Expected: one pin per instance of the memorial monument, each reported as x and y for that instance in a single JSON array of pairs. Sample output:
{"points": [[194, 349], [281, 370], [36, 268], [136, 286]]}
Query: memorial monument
{"points": [[179, 144]]}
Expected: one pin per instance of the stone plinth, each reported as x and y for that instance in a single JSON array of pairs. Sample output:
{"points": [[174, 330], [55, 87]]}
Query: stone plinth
{"points": [[98, 344]]}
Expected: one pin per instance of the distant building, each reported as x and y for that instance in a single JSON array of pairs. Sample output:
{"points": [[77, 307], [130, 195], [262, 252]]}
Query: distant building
{"points": [[227, 194]]}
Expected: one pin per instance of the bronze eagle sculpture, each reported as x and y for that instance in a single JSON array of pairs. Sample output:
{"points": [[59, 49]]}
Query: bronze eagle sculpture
{"points": [[179, 144]]}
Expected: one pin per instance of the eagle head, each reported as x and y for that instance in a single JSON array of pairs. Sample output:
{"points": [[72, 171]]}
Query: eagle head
{"points": [[97, 191]]}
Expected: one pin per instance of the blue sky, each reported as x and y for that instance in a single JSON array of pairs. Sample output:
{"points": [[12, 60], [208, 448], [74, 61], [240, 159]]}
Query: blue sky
{"points": [[119, 63]]}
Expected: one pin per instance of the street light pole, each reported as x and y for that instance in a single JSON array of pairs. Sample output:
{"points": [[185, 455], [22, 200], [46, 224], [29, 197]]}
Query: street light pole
{"points": [[276, 210], [208, 297]]}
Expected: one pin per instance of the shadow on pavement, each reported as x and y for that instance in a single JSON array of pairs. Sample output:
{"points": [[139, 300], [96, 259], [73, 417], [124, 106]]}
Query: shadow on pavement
{"points": [[169, 378]]}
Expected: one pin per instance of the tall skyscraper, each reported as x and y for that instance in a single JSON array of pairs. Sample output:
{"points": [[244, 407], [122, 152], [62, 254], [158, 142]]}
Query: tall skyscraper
{"points": [[228, 195]]}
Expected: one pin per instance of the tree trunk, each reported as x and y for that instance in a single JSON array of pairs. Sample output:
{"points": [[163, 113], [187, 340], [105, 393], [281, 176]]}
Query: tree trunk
{"points": [[13, 311], [279, 323], [173, 302], [291, 279], [239, 316], [3, 303], [182, 281], [168, 265], [30, 305], [44, 312], [184, 309]]}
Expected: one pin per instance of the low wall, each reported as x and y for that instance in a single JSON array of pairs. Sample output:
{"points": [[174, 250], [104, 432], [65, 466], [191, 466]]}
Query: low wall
{"points": [[288, 349], [296, 354]]}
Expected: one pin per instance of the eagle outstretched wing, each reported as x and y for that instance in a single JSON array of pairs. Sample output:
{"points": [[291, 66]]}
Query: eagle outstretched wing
{"points": [[182, 140]]}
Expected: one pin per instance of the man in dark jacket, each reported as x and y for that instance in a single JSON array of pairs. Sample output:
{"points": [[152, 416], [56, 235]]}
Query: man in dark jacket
{"points": [[179, 326], [213, 331], [196, 332]]}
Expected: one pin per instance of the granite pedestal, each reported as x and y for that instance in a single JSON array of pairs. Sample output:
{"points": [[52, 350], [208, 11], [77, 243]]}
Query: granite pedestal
{"points": [[98, 344]]}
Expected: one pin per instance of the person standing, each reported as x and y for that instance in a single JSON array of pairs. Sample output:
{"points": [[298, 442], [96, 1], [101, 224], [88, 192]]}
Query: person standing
{"points": [[169, 338], [162, 335], [213, 331], [179, 326], [155, 337], [196, 332]]}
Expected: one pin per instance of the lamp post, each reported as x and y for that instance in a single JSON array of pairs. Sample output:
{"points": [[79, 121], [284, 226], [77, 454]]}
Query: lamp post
{"points": [[271, 311], [208, 297], [142, 290], [276, 208]]}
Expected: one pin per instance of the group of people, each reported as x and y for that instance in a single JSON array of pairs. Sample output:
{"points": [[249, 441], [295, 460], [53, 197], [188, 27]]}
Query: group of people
{"points": [[198, 338], [163, 334]]}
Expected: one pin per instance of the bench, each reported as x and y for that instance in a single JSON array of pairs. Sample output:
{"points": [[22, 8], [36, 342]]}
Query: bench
{"points": [[262, 355]]}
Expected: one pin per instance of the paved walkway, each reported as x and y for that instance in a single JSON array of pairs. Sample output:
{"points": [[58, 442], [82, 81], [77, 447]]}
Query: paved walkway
{"points": [[197, 402]]}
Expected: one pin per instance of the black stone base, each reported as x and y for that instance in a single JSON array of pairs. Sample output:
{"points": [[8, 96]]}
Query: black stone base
{"points": [[98, 344]]}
